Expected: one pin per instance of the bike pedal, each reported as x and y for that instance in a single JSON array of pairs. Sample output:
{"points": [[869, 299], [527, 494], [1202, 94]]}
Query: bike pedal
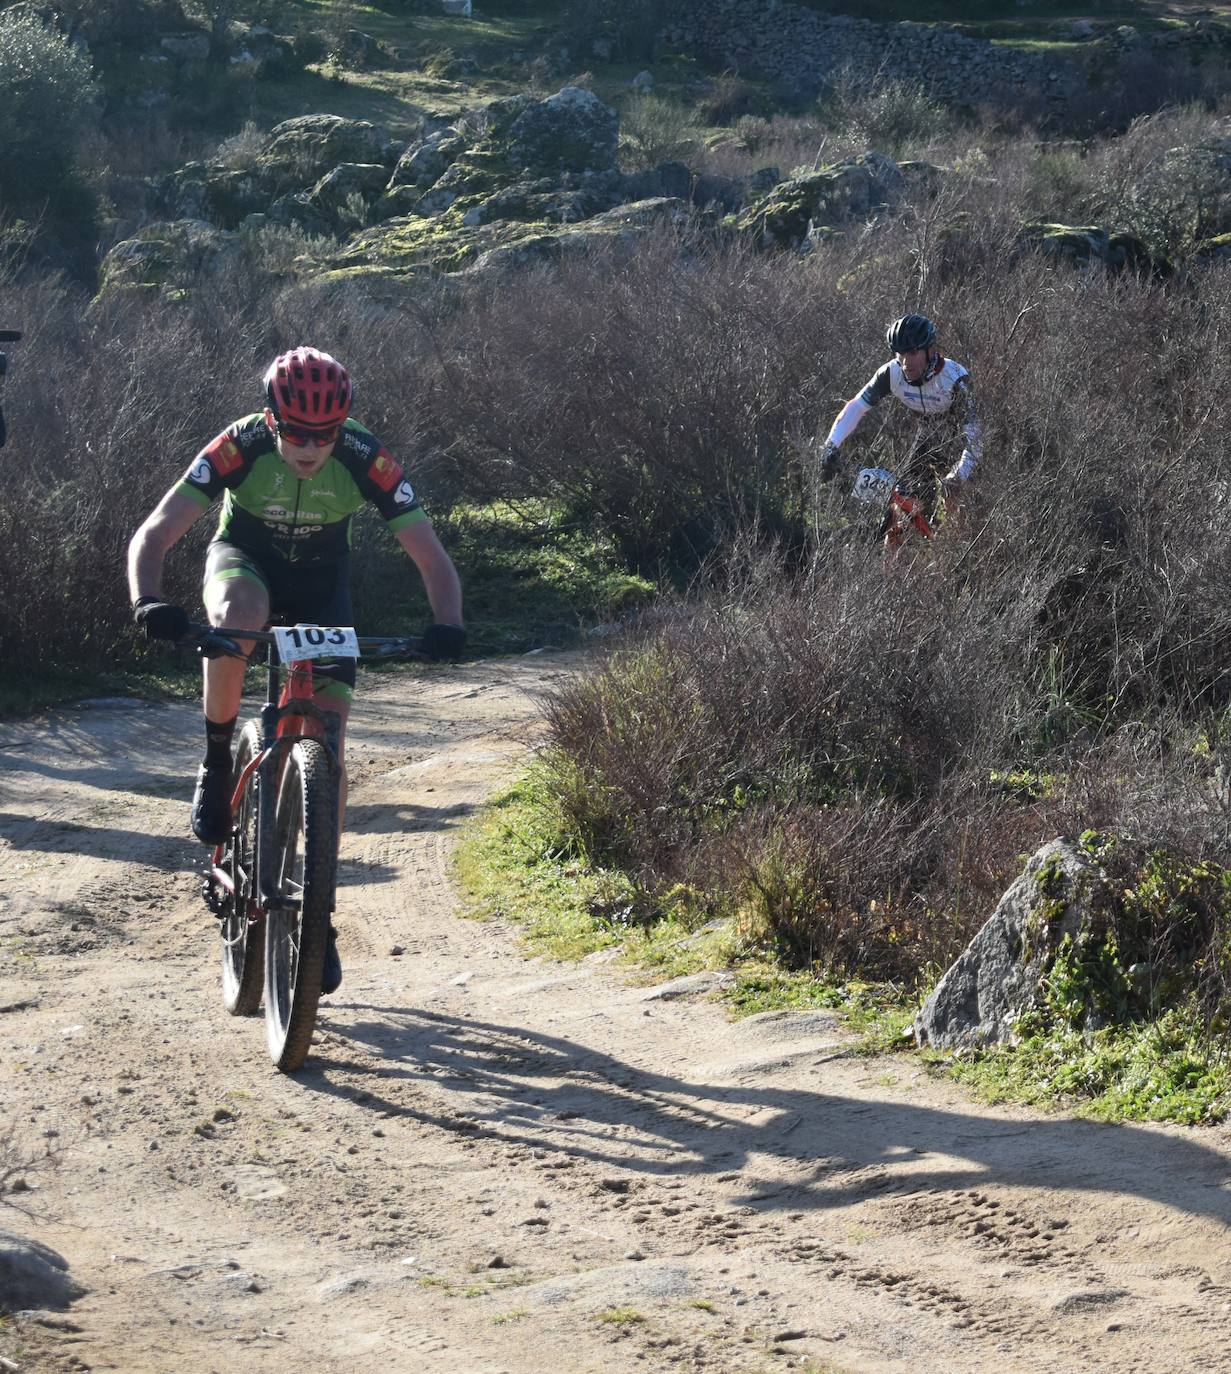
{"points": [[214, 897]]}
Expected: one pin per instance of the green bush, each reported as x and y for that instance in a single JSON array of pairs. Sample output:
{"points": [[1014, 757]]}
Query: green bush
{"points": [[47, 94]]}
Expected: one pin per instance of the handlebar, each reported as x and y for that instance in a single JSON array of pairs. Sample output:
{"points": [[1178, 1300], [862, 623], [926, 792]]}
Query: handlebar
{"points": [[219, 641]]}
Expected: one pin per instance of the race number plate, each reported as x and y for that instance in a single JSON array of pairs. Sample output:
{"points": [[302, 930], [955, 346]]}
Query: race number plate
{"points": [[873, 486], [315, 641]]}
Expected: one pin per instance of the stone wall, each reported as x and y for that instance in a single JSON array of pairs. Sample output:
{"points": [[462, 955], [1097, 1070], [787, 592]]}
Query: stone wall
{"points": [[804, 50]]}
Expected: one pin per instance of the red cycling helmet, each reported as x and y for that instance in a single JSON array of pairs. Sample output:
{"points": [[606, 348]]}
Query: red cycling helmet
{"points": [[309, 388]]}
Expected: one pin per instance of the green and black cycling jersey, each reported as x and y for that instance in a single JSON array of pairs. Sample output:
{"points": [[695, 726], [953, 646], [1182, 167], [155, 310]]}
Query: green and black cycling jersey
{"points": [[268, 510]]}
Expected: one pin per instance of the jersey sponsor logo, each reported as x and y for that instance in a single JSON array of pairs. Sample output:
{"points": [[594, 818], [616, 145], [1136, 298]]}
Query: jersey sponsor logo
{"points": [[353, 441], [224, 454], [276, 513], [384, 471], [200, 473], [405, 495]]}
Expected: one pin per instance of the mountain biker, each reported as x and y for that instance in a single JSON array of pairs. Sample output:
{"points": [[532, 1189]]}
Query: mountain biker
{"points": [[291, 476], [938, 390]]}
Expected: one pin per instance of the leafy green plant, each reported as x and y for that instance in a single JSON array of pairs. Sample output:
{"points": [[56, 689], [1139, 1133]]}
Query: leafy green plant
{"points": [[47, 93]]}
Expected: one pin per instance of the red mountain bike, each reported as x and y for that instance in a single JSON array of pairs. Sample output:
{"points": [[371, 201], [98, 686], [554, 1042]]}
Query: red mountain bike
{"points": [[903, 516], [272, 882]]}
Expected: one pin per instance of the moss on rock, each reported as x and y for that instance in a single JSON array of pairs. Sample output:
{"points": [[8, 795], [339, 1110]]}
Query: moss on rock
{"points": [[857, 186], [162, 258]]}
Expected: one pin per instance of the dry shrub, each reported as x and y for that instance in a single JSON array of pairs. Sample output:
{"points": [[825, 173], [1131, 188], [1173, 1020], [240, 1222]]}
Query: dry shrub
{"points": [[650, 400]]}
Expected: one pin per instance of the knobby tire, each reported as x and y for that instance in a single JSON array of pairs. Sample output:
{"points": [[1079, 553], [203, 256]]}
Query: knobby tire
{"points": [[296, 937], [243, 941]]}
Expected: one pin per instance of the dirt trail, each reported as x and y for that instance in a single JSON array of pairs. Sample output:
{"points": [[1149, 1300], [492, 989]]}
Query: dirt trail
{"points": [[496, 1164]]}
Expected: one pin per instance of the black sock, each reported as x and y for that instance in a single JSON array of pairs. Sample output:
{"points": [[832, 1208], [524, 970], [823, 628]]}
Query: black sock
{"points": [[218, 741]]}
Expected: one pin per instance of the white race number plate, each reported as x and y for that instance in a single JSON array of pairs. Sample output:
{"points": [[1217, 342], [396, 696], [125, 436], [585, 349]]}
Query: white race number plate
{"points": [[315, 641], [873, 486]]}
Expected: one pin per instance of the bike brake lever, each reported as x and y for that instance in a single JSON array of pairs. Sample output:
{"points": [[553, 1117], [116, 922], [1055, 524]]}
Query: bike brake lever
{"points": [[219, 646]]}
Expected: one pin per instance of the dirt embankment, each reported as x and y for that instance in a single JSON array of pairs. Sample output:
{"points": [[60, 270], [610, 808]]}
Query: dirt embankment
{"points": [[497, 1165]]}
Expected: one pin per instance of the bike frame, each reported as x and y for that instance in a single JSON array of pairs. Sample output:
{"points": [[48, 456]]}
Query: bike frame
{"points": [[903, 516], [288, 715]]}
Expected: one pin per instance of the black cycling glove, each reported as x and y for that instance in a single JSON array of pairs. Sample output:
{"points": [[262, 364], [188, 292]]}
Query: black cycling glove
{"points": [[829, 462], [444, 642], [161, 620]]}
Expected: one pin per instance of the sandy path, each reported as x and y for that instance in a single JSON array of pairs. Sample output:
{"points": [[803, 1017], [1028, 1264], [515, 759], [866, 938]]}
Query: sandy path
{"points": [[497, 1165]]}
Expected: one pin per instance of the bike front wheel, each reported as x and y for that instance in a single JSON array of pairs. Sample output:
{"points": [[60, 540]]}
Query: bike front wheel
{"points": [[243, 938], [297, 927]]}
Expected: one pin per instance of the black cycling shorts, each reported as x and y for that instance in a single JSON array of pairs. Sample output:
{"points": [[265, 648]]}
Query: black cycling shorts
{"points": [[299, 594]]}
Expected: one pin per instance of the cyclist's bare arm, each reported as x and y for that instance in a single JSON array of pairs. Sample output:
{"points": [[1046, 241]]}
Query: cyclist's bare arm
{"points": [[169, 521], [440, 580]]}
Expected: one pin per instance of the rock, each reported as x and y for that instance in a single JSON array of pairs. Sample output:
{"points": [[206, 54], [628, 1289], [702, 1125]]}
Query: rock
{"points": [[997, 977], [856, 186], [298, 211], [163, 256], [1089, 1298], [342, 1287], [689, 985], [571, 131], [402, 200], [269, 53], [186, 48], [1090, 245], [34, 1275], [244, 62], [356, 49], [316, 143], [336, 190], [426, 161], [762, 180], [643, 81]]}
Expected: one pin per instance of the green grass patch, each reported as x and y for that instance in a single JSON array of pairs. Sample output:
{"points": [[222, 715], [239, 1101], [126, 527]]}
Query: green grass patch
{"points": [[1163, 1070], [619, 1316], [516, 862], [531, 577]]}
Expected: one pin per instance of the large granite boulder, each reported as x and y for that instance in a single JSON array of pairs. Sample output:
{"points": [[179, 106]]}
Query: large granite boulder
{"points": [[571, 131], [164, 257], [1090, 245], [997, 979], [314, 144], [857, 186], [411, 248], [294, 159], [427, 159], [348, 185], [209, 191]]}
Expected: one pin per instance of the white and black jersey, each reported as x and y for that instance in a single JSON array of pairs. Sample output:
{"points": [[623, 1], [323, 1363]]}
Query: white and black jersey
{"points": [[943, 400]]}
